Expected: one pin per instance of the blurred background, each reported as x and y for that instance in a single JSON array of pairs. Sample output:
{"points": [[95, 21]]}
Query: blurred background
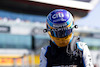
{"points": [[22, 23]]}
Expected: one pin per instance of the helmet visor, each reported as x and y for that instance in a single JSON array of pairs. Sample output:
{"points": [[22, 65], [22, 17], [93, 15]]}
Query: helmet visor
{"points": [[61, 32]]}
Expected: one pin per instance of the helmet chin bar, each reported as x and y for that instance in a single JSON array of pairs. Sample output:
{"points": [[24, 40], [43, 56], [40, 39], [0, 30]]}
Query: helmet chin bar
{"points": [[46, 30]]}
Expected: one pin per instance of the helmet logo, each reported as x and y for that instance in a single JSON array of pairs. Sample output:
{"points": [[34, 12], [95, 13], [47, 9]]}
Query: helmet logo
{"points": [[59, 25], [58, 15]]}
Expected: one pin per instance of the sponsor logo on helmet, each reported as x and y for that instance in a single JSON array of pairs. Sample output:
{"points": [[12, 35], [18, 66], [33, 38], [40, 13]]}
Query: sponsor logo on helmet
{"points": [[59, 16], [59, 20], [60, 25]]}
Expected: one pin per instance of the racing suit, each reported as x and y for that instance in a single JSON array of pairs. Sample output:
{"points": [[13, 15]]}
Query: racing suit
{"points": [[53, 56]]}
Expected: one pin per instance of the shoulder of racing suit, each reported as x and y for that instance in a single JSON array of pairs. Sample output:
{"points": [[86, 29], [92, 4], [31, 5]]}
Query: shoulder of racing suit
{"points": [[87, 59], [43, 59]]}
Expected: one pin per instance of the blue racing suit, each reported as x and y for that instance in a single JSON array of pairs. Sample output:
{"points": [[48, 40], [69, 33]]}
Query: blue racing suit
{"points": [[53, 56]]}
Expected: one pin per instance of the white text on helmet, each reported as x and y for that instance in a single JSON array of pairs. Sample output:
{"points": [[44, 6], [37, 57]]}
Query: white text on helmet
{"points": [[59, 25], [58, 15], [57, 20]]}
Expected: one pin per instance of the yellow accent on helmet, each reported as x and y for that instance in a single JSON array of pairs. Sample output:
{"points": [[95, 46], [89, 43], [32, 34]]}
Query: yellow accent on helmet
{"points": [[70, 24], [61, 42], [50, 26]]}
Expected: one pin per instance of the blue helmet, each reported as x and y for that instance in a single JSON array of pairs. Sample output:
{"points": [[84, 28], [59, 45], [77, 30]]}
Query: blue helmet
{"points": [[59, 27]]}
